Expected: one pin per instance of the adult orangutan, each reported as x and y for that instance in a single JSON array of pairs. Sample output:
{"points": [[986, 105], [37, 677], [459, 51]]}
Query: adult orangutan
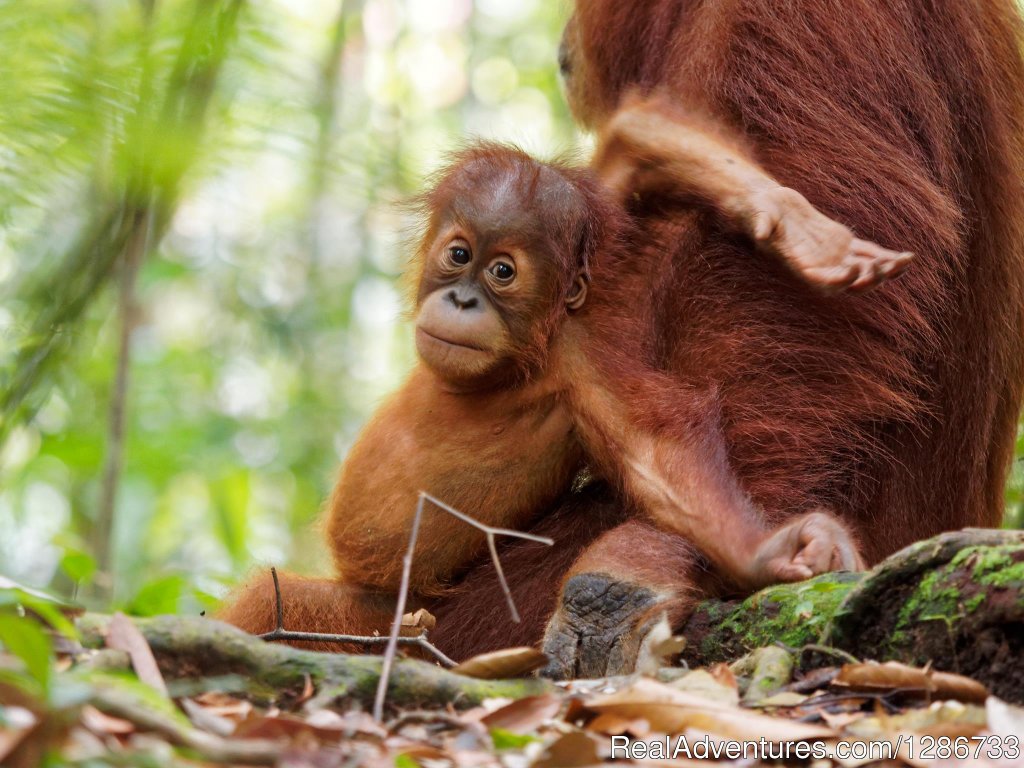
{"points": [[741, 385], [896, 409]]}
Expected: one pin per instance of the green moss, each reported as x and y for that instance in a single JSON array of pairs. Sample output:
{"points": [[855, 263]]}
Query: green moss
{"points": [[972, 604], [958, 589], [935, 594], [794, 614], [1000, 567], [711, 648]]}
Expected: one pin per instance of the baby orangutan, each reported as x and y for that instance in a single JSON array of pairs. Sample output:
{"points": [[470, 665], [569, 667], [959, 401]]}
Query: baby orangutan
{"points": [[538, 357]]}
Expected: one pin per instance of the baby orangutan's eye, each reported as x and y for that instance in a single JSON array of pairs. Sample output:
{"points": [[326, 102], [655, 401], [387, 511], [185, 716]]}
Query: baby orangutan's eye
{"points": [[503, 271], [460, 255]]}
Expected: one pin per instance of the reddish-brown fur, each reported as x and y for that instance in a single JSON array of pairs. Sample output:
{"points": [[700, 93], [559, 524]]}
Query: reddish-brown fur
{"points": [[903, 120], [897, 408]]}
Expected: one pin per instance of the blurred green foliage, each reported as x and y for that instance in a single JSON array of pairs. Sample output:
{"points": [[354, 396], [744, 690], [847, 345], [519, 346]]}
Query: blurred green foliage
{"points": [[257, 152]]}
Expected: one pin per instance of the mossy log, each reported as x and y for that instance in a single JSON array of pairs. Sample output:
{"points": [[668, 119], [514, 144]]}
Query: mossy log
{"points": [[955, 601], [192, 647]]}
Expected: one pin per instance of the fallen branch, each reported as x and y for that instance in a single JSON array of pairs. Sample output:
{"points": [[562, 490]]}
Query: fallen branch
{"points": [[188, 647], [213, 748]]}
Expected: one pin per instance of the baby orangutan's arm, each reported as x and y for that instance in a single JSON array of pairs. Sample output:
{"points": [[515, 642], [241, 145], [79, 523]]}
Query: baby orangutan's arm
{"points": [[670, 457], [649, 145]]}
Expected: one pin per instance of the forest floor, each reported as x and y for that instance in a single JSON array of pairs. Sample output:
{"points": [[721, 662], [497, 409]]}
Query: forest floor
{"points": [[784, 677], [161, 692]]}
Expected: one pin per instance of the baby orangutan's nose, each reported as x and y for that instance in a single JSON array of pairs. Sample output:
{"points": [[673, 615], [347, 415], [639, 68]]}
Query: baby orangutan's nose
{"points": [[462, 300]]}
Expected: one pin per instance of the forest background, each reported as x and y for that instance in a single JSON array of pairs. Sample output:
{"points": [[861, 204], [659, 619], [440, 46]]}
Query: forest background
{"points": [[202, 233]]}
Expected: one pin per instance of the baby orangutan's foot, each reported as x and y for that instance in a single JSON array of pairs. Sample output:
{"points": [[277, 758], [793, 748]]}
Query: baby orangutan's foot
{"points": [[604, 626], [807, 546]]}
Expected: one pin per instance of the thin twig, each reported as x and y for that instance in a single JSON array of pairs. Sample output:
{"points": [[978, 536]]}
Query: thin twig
{"points": [[824, 650], [483, 526], [501, 578], [432, 717], [278, 601], [491, 532], [419, 641], [280, 633], [396, 624]]}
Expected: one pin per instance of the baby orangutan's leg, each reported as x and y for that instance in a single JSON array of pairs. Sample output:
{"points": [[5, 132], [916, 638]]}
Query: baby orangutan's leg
{"points": [[625, 594], [310, 605]]}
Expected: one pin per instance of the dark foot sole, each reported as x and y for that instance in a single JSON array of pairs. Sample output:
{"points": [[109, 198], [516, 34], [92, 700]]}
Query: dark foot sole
{"points": [[604, 627]]}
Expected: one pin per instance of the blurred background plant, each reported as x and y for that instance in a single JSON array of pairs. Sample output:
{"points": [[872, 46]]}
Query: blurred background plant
{"points": [[200, 240]]}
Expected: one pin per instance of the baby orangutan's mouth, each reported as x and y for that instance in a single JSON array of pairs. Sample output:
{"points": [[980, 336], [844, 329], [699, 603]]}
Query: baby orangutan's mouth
{"points": [[449, 342]]}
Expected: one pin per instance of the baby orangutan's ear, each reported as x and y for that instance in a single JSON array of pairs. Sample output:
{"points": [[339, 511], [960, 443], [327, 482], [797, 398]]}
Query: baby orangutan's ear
{"points": [[578, 294]]}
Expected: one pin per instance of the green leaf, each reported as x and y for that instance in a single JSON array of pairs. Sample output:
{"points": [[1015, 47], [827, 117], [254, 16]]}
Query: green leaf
{"points": [[79, 566], [508, 740], [406, 761], [23, 637], [231, 497], [45, 606], [158, 597]]}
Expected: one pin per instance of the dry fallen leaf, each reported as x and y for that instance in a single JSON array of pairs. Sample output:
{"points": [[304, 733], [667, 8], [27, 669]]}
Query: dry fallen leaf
{"points": [[511, 662], [18, 723], [1005, 722], [569, 751], [611, 724], [709, 685], [123, 635], [946, 718], [943, 718], [224, 705], [525, 714], [723, 674], [415, 624], [422, 754], [1004, 719], [206, 719], [667, 648], [105, 725], [840, 720], [353, 724], [669, 710], [893, 676], [282, 726]]}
